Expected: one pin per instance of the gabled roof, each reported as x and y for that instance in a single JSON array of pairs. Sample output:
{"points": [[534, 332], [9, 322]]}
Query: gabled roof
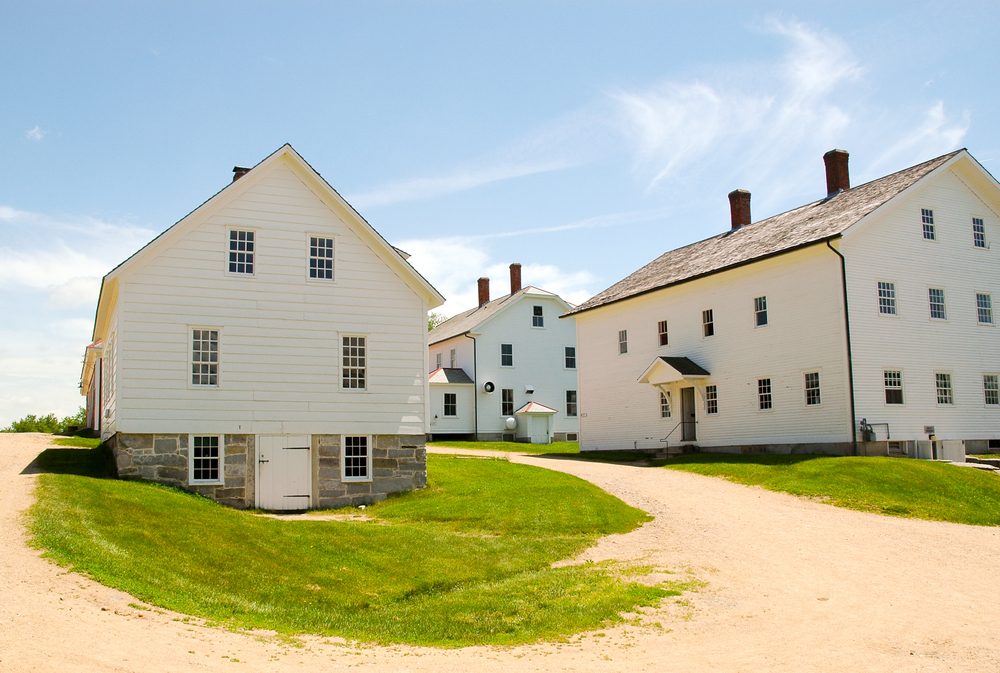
{"points": [[449, 375], [536, 408], [812, 223], [395, 257], [467, 321], [670, 369]]}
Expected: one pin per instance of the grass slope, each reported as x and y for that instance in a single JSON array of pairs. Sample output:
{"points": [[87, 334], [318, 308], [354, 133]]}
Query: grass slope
{"points": [[466, 561], [512, 447], [895, 486]]}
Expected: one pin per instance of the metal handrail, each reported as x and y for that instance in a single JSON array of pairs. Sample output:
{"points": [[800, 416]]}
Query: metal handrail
{"points": [[675, 429]]}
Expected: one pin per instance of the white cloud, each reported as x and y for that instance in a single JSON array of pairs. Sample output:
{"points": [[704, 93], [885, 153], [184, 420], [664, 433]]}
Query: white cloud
{"points": [[36, 133], [933, 136]]}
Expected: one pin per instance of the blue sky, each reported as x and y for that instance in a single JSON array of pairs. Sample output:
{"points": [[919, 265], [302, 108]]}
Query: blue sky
{"points": [[580, 139]]}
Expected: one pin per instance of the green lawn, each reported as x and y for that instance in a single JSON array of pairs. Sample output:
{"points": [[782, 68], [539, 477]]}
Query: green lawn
{"points": [[512, 447], [896, 486], [465, 561], [77, 442]]}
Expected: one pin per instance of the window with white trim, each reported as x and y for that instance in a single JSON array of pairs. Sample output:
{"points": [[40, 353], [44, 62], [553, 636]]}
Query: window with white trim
{"points": [[978, 232], [206, 459], [204, 357], [664, 405], [886, 298], [813, 396], [451, 404], [355, 458], [991, 389], [506, 355], [760, 311], [984, 308], [571, 403], [927, 220], [764, 399], [453, 358], [708, 322], [241, 251], [569, 357], [354, 352], [622, 341], [320, 258], [935, 297], [506, 401], [711, 400], [942, 384], [663, 335], [893, 382], [537, 316], [437, 360]]}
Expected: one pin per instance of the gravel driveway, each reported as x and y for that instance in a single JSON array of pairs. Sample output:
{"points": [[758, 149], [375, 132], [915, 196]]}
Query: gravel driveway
{"points": [[791, 585]]}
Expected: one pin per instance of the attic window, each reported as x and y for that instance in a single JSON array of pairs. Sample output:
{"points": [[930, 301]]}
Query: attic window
{"points": [[320, 258], [978, 232], [537, 316], [927, 218], [241, 251]]}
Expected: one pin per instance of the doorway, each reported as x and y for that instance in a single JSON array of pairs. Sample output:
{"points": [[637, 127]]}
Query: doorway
{"points": [[284, 472], [689, 429]]}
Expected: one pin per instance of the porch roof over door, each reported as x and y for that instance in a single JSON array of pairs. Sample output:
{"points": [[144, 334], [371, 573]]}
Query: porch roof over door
{"points": [[671, 370]]}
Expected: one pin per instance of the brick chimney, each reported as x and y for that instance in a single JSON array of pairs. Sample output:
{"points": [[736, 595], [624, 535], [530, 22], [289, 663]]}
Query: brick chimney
{"points": [[515, 277], [239, 172], [838, 179], [739, 206], [484, 291]]}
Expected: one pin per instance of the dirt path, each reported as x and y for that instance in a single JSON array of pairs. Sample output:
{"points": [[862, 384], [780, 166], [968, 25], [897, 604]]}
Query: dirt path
{"points": [[792, 585]]}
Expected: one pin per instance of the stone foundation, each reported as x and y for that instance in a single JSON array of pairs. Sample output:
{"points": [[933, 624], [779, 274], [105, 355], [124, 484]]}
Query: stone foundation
{"points": [[399, 464]]}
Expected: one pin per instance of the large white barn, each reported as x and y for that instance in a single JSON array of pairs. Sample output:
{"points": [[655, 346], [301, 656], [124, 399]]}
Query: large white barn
{"points": [[505, 369], [267, 350], [859, 323]]}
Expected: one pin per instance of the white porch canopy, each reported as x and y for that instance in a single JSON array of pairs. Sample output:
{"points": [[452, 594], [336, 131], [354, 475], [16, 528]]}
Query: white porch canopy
{"points": [[664, 370]]}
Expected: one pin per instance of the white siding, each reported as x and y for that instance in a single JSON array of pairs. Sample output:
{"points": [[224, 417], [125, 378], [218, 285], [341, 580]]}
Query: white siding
{"points": [[890, 247], [463, 352], [805, 333], [464, 421], [279, 331]]}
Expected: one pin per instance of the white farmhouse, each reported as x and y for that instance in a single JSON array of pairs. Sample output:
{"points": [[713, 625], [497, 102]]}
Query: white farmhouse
{"points": [[860, 323], [267, 350], [505, 369]]}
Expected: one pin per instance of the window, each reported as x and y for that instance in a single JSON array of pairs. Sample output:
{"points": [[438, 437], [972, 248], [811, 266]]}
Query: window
{"points": [[978, 232], [886, 298], [943, 384], [927, 218], [450, 404], [204, 357], [936, 298], [711, 400], [437, 361], [321, 258], [708, 322], [355, 458], [241, 251], [355, 356], [661, 328], [893, 379], [764, 400], [570, 357], [506, 355], [984, 308], [537, 316], [812, 388], [991, 389], [506, 401], [206, 459], [760, 311], [571, 403], [622, 341], [664, 405], [452, 358]]}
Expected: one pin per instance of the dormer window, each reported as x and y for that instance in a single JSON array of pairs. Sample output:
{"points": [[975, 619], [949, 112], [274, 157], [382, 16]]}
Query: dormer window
{"points": [[241, 251], [537, 316]]}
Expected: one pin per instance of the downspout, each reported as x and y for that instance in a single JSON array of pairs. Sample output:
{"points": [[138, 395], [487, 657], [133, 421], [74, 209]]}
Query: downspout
{"points": [[475, 387], [850, 359]]}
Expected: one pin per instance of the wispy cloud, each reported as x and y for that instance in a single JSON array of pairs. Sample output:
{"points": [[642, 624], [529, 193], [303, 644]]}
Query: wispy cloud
{"points": [[36, 133], [934, 135]]}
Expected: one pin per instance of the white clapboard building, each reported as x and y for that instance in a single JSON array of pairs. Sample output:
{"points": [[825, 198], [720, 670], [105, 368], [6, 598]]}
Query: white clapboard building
{"points": [[505, 369], [863, 322], [266, 350]]}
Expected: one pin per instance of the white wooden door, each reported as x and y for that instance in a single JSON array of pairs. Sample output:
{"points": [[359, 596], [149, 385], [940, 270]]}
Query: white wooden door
{"points": [[538, 429], [284, 472]]}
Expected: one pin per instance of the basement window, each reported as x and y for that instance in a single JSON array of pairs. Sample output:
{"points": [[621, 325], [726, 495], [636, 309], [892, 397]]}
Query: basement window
{"points": [[355, 458], [206, 459]]}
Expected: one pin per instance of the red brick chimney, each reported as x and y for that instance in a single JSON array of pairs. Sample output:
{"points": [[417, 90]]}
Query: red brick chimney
{"points": [[239, 172], [739, 206], [484, 291], [515, 277], [838, 179]]}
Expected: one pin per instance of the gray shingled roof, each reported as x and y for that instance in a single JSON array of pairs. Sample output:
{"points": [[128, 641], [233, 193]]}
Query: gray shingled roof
{"points": [[812, 223], [449, 375], [468, 320], [685, 366]]}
